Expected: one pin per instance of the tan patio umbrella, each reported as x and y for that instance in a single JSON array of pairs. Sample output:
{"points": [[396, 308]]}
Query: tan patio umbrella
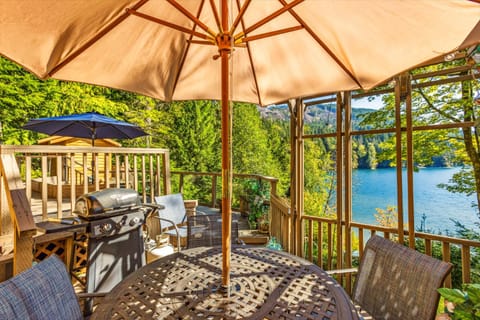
{"points": [[260, 51]]}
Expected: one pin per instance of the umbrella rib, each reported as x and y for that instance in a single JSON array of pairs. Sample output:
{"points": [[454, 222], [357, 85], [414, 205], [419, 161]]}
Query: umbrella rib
{"points": [[90, 42], [171, 25], [215, 13], [70, 125], [240, 15], [322, 44], [271, 34], [184, 56], [286, 7], [192, 17], [251, 61]]}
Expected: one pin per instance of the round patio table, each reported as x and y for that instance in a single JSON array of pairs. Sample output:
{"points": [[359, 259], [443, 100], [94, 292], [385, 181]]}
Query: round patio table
{"points": [[266, 284]]}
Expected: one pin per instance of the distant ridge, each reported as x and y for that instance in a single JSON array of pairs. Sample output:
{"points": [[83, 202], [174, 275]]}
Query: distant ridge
{"points": [[313, 114]]}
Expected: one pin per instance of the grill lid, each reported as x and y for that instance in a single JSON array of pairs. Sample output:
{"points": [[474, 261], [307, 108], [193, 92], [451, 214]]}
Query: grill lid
{"points": [[106, 200]]}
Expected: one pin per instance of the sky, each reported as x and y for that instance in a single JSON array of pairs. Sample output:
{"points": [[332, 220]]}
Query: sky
{"points": [[361, 103], [364, 103]]}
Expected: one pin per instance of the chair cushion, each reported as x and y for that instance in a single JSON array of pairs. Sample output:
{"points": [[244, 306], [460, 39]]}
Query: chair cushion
{"points": [[41, 292], [10, 306]]}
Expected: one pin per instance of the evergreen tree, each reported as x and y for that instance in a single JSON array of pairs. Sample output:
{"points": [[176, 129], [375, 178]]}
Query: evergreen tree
{"points": [[191, 131]]}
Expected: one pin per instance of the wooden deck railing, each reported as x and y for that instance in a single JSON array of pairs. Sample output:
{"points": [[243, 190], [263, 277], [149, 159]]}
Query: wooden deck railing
{"points": [[63, 173], [212, 182], [281, 222], [321, 233]]}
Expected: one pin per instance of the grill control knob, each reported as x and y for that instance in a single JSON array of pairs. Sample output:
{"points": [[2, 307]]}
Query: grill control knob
{"points": [[105, 228], [134, 221]]}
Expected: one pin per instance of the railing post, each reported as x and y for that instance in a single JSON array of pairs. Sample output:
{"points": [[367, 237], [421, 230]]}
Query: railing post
{"points": [[214, 190], [273, 187], [166, 173], [180, 183], [446, 258], [44, 187], [465, 264], [59, 163]]}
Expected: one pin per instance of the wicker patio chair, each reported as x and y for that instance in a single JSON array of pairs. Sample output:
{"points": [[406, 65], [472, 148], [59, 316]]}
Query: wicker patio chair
{"points": [[206, 230], [41, 292], [396, 282]]}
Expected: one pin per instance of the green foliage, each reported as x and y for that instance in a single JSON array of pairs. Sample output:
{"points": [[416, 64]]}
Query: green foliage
{"points": [[257, 195], [387, 218], [191, 131], [466, 301], [461, 182], [320, 182], [23, 97], [279, 145], [258, 209], [439, 104], [251, 149]]}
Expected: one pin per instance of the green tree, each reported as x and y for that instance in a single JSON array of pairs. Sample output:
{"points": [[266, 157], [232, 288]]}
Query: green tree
{"points": [[279, 146], [251, 145], [450, 103], [23, 97], [372, 156], [319, 180], [191, 131]]}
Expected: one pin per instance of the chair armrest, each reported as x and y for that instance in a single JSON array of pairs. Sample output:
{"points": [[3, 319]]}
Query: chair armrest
{"points": [[154, 206], [203, 213], [175, 227], [88, 301], [86, 295], [341, 271]]}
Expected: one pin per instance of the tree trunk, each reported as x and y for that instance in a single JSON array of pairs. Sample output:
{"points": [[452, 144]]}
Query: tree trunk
{"points": [[471, 137]]}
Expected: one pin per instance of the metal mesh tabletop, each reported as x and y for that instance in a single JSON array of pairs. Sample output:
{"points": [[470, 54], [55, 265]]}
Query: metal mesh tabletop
{"points": [[266, 284]]}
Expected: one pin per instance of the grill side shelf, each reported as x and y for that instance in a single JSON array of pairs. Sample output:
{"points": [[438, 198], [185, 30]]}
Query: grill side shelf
{"points": [[53, 226]]}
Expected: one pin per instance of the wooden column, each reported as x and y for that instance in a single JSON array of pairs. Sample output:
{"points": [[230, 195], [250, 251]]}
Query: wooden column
{"points": [[297, 167], [340, 159], [410, 160], [347, 144], [293, 175], [399, 92]]}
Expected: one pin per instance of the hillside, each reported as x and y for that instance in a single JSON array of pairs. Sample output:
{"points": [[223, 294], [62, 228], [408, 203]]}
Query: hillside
{"points": [[322, 113]]}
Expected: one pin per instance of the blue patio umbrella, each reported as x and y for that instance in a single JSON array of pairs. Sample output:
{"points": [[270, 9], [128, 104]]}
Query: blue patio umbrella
{"points": [[90, 125]]}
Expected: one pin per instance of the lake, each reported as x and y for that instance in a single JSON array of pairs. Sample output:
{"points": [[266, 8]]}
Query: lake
{"points": [[377, 189]]}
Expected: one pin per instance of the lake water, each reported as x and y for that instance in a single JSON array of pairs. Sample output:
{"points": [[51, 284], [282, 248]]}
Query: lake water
{"points": [[377, 189]]}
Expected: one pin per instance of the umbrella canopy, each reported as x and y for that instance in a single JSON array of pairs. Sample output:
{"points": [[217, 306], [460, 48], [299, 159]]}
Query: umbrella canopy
{"points": [[282, 48], [260, 51], [90, 125]]}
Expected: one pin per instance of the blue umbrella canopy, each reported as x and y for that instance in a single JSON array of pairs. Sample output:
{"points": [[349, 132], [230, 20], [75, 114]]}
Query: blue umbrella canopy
{"points": [[90, 125]]}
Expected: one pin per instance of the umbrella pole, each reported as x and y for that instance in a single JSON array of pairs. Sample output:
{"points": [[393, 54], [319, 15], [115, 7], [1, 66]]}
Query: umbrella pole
{"points": [[224, 45]]}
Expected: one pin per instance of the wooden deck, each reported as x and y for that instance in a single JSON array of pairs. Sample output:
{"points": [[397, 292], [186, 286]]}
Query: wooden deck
{"points": [[245, 234]]}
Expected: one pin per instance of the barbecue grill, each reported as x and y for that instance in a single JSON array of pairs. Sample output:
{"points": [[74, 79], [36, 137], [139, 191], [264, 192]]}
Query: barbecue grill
{"points": [[113, 244]]}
